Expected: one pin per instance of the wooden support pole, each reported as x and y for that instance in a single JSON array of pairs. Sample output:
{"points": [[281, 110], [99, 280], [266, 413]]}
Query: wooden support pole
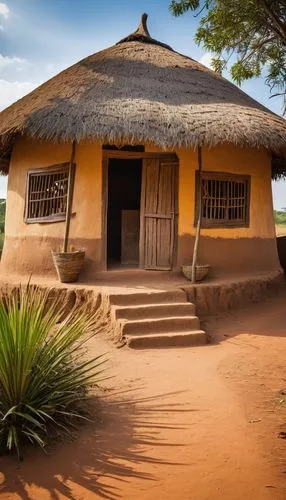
{"points": [[69, 198], [199, 220]]}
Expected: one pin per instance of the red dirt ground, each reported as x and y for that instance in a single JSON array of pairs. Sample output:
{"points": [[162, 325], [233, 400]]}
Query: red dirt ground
{"points": [[193, 423]]}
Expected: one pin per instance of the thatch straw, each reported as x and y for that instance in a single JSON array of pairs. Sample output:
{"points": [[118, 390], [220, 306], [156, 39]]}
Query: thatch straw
{"points": [[141, 91], [278, 167]]}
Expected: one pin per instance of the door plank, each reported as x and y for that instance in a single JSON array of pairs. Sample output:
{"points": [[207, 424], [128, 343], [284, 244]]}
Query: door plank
{"points": [[158, 213], [142, 239]]}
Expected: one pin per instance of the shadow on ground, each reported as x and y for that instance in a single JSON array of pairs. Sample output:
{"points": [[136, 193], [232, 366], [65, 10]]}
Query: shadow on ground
{"points": [[265, 318], [105, 454]]}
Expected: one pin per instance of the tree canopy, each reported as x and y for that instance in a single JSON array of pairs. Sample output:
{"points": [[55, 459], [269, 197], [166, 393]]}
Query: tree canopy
{"points": [[248, 34], [280, 216]]}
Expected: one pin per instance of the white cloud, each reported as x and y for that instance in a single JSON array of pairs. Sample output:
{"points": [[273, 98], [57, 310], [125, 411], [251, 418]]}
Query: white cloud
{"points": [[19, 76], [1, 27], [206, 60], [12, 91], [3, 186], [11, 61], [4, 10]]}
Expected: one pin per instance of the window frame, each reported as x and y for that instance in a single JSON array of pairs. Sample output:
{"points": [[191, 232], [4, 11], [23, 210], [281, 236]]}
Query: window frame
{"points": [[223, 176], [59, 167]]}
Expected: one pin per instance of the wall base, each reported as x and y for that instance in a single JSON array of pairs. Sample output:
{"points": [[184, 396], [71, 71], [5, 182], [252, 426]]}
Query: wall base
{"points": [[215, 298]]}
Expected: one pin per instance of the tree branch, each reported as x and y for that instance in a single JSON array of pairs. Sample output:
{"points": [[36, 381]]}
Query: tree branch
{"points": [[255, 47], [201, 10], [280, 26]]}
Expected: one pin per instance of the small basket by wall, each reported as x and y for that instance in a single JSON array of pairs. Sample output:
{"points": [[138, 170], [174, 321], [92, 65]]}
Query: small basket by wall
{"points": [[68, 265], [201, 271]]}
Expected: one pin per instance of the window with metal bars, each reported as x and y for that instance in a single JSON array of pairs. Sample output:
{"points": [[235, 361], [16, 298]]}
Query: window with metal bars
{"points": [[225, 199], [46, 194]]}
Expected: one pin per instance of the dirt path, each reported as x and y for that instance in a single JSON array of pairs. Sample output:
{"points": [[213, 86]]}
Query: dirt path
{"points": [[198, 423]]}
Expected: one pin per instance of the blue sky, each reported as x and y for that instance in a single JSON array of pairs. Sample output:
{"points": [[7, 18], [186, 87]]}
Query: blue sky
{"points": [[39, 38]]}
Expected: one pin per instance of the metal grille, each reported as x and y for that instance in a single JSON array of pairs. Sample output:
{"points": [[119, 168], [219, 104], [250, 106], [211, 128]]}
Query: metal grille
{"points": [[225, 201], [47, 195]]}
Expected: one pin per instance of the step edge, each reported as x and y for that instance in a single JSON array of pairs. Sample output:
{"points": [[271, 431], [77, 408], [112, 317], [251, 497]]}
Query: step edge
{"points": [[172, 341], [163, 334], [157, 320], [154, 291], [178, 294], [141, 306]]}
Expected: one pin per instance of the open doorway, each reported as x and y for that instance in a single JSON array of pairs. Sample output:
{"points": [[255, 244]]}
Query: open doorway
{"points": [[123, 216]]}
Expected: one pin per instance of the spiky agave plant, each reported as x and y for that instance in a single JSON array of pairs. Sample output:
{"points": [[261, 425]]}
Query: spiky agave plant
{"points": [[43, 375]]}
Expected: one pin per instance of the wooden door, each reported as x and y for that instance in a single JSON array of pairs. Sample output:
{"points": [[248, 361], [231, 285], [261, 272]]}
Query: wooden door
{"points": [[158, 213]]}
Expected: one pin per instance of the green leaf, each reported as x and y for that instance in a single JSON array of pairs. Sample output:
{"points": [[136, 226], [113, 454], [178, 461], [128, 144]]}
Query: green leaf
{"points": [[44, 374], [246, 37]]}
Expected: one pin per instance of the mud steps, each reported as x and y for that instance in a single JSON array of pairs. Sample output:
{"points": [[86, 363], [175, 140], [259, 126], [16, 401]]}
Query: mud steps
{"points": [[174, 339], [157, 319], [154, 311]]}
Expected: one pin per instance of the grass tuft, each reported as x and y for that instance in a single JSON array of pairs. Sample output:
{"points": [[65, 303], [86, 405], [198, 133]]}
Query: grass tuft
{"points": [[44, 377]]}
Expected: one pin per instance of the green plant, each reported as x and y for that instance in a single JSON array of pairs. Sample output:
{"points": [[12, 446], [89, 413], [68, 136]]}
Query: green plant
{"points": [[280, 216], [44, 376], [248, 35], [1, 241]]}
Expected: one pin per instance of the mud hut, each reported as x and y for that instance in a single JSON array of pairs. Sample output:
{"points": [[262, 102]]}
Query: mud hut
{"points": [[137, 113]]}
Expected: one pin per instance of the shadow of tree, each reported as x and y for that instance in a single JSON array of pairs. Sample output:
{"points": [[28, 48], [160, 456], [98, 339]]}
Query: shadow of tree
{"points": [[105, 454], [251, 320]]}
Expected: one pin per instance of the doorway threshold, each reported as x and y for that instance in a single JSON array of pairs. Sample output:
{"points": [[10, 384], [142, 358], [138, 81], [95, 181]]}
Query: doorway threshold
{"points": [[123, 267]]}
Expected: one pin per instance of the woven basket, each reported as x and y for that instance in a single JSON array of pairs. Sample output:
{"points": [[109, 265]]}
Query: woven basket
{"points": [[201, 271], [68, 265]]}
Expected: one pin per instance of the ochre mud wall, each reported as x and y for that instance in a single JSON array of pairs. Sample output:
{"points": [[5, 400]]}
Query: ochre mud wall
{"points": [[230, 250], [211, 299], [27, 248]]}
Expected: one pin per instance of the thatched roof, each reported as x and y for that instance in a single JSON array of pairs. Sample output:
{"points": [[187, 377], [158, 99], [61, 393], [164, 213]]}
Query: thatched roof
{"points": [[139, 91], [278, 167]]}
